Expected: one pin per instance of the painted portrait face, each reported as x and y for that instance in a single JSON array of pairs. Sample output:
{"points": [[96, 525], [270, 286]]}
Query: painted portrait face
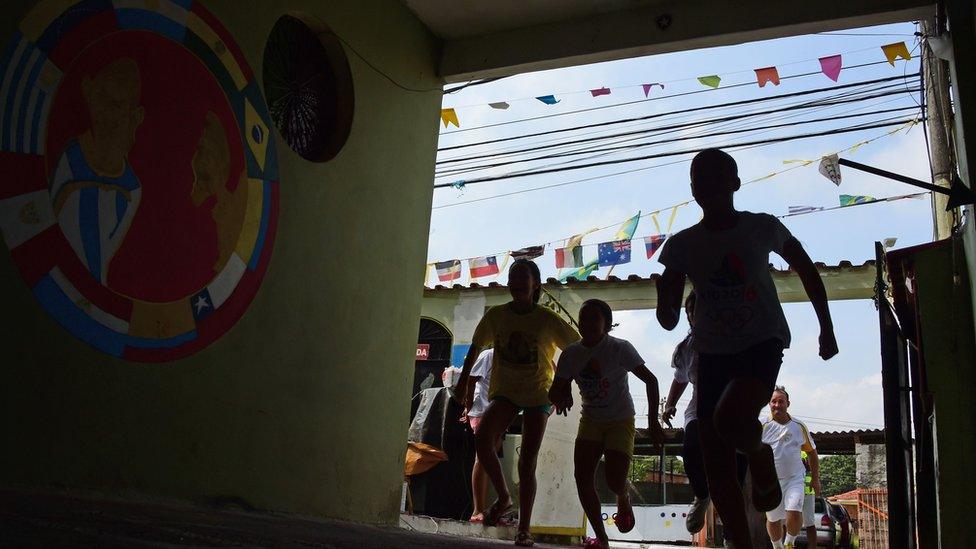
{"points": [[112, 96]]}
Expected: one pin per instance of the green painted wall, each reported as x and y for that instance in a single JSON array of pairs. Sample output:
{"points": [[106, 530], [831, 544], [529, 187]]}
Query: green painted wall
{"points": [[299, 408]]}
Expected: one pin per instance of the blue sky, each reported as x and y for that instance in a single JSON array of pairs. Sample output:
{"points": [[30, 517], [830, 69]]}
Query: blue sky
{"points": [[843, 393]]}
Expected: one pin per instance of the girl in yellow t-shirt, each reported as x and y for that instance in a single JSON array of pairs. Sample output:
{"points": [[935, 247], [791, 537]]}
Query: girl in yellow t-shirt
{"points": [[525, 337]]}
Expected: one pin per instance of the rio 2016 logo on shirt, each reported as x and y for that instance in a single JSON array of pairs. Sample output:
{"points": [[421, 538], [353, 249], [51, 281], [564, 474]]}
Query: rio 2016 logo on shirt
{"points": [[138, 177]]}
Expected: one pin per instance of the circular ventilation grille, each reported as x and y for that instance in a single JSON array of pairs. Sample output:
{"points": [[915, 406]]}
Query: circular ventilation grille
{"points": [[308, 86]]}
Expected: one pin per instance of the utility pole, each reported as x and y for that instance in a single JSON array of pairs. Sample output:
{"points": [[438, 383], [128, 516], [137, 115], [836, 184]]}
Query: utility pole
{"points": [[935, 74]]}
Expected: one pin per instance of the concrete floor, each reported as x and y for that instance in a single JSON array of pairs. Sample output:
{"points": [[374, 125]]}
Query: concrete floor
{"points": [[32, 519]]}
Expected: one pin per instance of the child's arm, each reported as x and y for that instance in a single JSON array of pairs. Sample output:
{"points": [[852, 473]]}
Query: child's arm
{"points": [[799, 261], [814, 461], [674, 394], [670, 291], [654, 430], [561, 395]]}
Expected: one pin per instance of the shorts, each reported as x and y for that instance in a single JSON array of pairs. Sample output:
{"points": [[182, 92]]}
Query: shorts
{"points": [[614, 435], [541, 408], [474, 422], [715, 372], [809, 505], [793, 492]]}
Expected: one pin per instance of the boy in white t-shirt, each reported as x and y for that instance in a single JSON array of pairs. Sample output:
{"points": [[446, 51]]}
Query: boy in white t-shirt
{"points": [[740, 330], [600, 365], [789, 438]]}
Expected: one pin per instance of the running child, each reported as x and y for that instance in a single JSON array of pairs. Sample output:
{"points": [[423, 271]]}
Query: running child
{"points": [[525, 337], [740, 330], [600, 364], [478, 386]]}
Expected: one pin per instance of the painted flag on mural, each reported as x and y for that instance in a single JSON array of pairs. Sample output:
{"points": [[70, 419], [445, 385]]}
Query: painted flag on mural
{"points": [[569, 257], [627, 230], [582, 272], [613, 253], [852, 199], [448, 270], [653, 243], [797, 210], [530, 252], [483, 266]]}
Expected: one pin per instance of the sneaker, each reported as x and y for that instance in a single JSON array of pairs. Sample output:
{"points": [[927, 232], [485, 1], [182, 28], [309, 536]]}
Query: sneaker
{"points": [[696, 516], [787, 546]]}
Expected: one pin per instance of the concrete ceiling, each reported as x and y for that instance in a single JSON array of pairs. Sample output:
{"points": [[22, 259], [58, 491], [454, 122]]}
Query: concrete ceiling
{"points": [[492, 38], [454, 19]]}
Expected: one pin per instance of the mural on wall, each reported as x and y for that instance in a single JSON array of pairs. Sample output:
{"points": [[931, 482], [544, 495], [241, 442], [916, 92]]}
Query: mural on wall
{"points": [[138, 176]]}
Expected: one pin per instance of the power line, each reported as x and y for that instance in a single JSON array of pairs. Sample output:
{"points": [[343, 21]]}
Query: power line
{"points": [[658, 98], [693, 109], [618, 148], [672, 153]]}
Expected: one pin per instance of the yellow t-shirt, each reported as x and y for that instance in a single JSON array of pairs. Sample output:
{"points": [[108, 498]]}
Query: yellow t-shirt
{"points": [[525, 345]]}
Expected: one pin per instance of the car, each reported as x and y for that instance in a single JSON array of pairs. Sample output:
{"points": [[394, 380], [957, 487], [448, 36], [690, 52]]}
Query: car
{"points": [[828, 529], [843, 519]]}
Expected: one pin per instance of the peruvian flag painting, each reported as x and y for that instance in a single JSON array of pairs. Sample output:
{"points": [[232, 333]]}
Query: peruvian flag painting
{"points": [[483, 266]]}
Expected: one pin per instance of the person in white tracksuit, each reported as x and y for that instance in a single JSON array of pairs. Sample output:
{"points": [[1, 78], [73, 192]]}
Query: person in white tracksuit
{"points": [[788, 437]]}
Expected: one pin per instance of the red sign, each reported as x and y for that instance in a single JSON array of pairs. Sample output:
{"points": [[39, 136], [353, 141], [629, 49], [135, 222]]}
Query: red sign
{"points": [[423, 351]]}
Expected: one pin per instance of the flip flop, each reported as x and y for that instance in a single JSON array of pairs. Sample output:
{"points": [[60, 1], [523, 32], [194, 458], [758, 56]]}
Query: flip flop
{"points": [[524, 539], [624, 522], [494, 514]]}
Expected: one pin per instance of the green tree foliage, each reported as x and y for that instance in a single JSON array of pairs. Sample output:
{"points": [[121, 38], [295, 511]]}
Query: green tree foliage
{"points": [[642, 466], [838, 474]]}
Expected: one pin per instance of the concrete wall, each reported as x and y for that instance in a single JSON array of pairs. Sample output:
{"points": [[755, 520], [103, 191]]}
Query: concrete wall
{"points": [[299, 407], [870, 464]]}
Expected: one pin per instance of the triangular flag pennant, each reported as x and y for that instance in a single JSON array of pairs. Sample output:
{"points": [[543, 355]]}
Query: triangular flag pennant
{"points": [[627, 230], [767, 74], [894, 51], [710, 81], [501, 105], [449, 116], [850, 200], [582, 272], [600, 91], [647, 87], [530, 252], [830, 168], [653, 243], [831, 66], [548, 99]]}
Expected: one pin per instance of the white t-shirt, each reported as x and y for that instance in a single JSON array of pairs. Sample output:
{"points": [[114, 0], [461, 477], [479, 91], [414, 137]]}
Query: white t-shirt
{"points": [[685, 364], [787, 440], [482, 370], [601, 373], [737, 305]]}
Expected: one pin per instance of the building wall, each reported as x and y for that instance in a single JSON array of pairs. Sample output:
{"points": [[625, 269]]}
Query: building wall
{"points": [[871, 466], [299, 407]]}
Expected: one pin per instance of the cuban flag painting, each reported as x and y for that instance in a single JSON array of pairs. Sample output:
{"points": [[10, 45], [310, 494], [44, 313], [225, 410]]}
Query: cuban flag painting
{"points": [[614, 253], [483, 266]]}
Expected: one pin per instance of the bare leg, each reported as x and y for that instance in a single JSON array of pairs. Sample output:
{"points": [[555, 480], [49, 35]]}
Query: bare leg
{"points": [[794, 519], [496, 419], [586, 458], [734, 427], [533, 428], [617, 466], [811, 536], [775, 530], [479, 488]]}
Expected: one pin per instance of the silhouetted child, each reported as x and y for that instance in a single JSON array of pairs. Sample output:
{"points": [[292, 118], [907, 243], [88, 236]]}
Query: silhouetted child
{"points": [[600, 364], [739, 332], [525, 337]]}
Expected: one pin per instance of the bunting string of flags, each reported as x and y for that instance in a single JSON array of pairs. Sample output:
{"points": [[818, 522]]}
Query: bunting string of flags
{"points": [[830, 66], [569, 258]]}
